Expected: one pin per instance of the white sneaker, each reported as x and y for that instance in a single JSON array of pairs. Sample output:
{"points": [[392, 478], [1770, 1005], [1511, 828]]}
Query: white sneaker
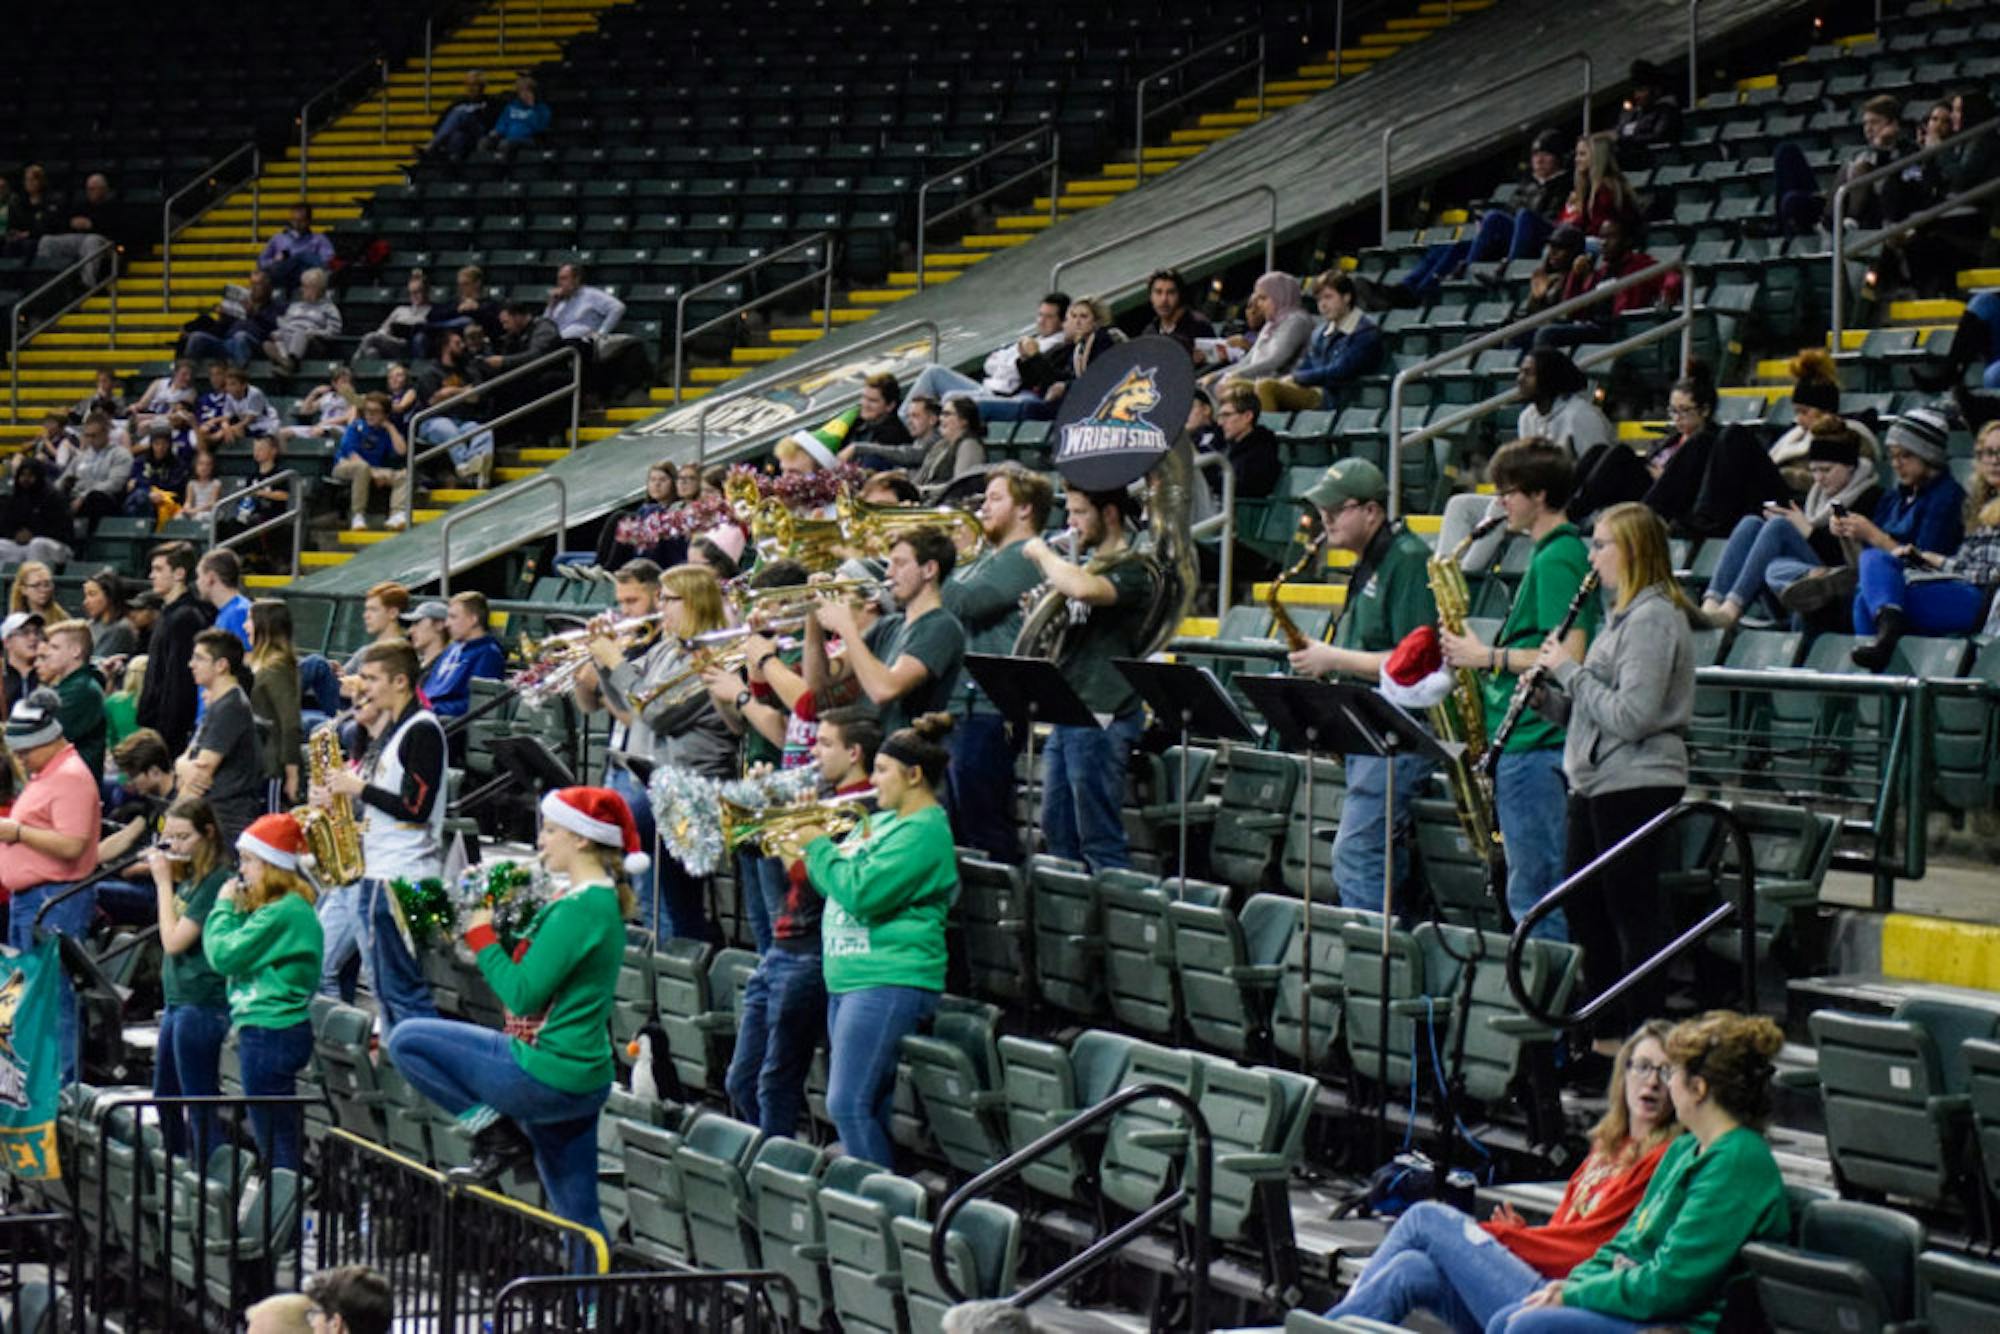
{"points": [[397, 523], [360, 523]]}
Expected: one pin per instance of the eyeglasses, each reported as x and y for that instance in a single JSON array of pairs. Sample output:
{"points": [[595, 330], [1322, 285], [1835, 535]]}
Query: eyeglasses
{"points": [[1983, 455], [1645, 1072], [1683, 410]]}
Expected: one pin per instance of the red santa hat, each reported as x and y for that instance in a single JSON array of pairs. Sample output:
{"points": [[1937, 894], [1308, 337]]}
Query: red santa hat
{"points": [[1414, 676], [275, 839], [600, 815]]}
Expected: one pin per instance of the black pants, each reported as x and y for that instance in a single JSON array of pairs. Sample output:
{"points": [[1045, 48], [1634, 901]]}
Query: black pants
{"points": [[1622, 919]]}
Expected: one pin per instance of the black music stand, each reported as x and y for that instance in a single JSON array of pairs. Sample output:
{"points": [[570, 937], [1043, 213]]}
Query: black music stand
{"points": [[1348, 719], [1029, 691], [1193, 698]]}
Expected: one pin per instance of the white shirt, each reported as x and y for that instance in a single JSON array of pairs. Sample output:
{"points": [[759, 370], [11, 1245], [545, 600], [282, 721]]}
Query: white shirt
{"points": [[586, 311]]}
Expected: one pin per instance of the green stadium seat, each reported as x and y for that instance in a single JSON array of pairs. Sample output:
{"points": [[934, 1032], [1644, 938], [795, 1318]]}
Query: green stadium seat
{"points": [[693, 1027], [1408, 1004], [1792, 849], [1144, 1148], [791, 1232], [1139, 946], [714, 1163], [1249, 811], [1229, 966], [633, 1002], [992, 912], [620, 1107], [1258, 1118], [1328, 795], [1329, 959], [982, 1251], [1854, 1269], [956, 1073], [657, 1220], [1455, 875], [341, 1036], [864, 1263], [1069, 935], [1959, 1295], [1046, 1086], [1507, 1055]]}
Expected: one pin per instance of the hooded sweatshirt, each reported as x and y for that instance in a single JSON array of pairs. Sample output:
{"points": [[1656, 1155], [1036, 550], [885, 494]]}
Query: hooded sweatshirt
{"points": [[1628, 704]]}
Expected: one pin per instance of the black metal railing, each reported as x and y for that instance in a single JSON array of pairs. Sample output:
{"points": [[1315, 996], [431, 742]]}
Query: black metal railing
{"points": [[40, 1256], [1200, 1195], [739, 1300]]}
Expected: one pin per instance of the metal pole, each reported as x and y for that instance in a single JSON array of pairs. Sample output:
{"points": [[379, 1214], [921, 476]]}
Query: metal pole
{"points": [[1694, 47], [111, 331], [1260, 80], [383, 65], [427, 67], [1139, 134], [1339, 30], [166, 254], [256, 191]]}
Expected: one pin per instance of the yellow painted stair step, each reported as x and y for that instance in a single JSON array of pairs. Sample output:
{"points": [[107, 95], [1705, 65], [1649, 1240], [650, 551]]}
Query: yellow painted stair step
{"points": [[1157, 164], [1197, 627], [847, 315], [1758, 392], [1202, 135], [1221, 118], [267, 581], [1023, 222], [758, 356], [954, 259], [879, 296], [543, 454], [1629, 430], [590, 435], [364, 537], [794, 337], [1069, 202], [1381, 39], [715, 374], [1304, 595], [452, 495], [514, 474], [1299, 85], [1108, 185], [989, 241], [1909, 311], [1274, 102], [630, 414], [1979, 277], [1351, 64], [324, 560], [1775, 368], [238, 249], [1421, 23]]}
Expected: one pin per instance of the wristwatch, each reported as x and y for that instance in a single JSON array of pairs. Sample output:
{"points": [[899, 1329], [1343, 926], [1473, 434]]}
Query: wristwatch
{"points": [[744, 698]]}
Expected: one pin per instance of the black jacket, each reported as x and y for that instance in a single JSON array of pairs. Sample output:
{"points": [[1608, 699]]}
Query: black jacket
{"points": [[167, 703], [1254, 460]]}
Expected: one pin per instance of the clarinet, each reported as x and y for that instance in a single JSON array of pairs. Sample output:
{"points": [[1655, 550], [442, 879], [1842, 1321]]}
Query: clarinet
{"points": [[1531, 679]]}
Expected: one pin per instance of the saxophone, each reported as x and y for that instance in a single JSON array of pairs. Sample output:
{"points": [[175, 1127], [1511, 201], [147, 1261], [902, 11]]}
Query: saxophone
{"points": [[1462, 716], [333, 838], [1295, 638]]}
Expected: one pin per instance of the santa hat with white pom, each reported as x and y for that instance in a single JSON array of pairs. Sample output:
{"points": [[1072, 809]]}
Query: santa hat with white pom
{"points": [[1414, 676], [600, 815]]}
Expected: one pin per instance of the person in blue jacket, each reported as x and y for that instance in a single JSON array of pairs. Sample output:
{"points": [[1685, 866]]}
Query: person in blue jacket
{"points": [[473, 653], [520, 122], [1343, 349]]}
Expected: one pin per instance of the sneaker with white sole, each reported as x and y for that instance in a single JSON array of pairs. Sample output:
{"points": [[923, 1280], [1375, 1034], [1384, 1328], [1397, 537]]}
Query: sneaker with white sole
{"points": [[359, 523]]}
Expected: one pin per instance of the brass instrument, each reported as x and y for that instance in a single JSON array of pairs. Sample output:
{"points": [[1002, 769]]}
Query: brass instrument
{"points": [[333, 837], [777, 828], [740, 490], [873, 529], [1462, 716], [769, 610], [554, 661], [780, 534], [1295, 638]]}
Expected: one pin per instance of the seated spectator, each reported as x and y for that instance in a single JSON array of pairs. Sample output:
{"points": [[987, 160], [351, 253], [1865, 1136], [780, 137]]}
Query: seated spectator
{"points": [[1650, 118], [89, 231], [1618, 256], [520, 122], [960, 450], [1716, 1189], [878, 424], [98, 472], [921, 415], [892, 488], [1024, 366], [170, 394], [1434, 1258], [1341, 351], [1173, 318], [393, 338], [244, 414], [372, 452], [1599, 192], [159, 478], [204, 488], [104, 611], [1284, 328], [667, 489], [37, 210], [1513, 228], [1802, 208], [719, 549], [242, 324], [1769, 553], [288, 255], [1203, 432], [327, 410], [1938, 580], [464, 121], [525, 335], [404, 395], [1815, 401], [579, 310], [54, 447], [105, 398], [1091, 335], [1249, 445], [428, 637], [35, 519], [471, 447], [1705, 478], [309, 320], [471, 306], [34, 592], [472, 654], [1550, 278]]}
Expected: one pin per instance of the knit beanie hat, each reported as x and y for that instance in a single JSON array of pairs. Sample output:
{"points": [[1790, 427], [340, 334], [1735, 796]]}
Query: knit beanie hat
{"points": [[276, 839], [1817, 393], [600, 815], [35, 721], [1922, 432], [1841, 446]]}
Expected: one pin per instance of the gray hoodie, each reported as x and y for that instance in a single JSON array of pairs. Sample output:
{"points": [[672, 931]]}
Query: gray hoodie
{"points": [[1626, 707]]}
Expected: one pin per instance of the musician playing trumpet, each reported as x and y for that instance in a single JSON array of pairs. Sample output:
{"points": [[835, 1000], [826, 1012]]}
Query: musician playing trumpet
{"points": [[1388, 595], [636, 592], [1532, 481]]}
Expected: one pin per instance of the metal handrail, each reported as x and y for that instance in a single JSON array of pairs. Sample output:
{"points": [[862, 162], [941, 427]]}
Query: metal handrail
{"points": [[1743, 907], [1222, 524], [1178, 222], [17, 315], [823, 273], [1457, 105], [1141, 115], [1694, 52], [1053, 164], [1101, 1249], [295, 512], [573, 391], [835, 357], [1842, 250], [514, 492], [207, 176], [1651, 273], [304, 119]]}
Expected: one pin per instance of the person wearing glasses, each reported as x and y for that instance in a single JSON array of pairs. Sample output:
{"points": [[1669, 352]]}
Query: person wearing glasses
{"points": [[1248, 444], [1437, 1259], [1625, 708], [1705, 477]]}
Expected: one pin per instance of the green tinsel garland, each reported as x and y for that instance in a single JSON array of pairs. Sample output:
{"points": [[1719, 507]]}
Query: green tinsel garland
{"points": [[427, 909]]}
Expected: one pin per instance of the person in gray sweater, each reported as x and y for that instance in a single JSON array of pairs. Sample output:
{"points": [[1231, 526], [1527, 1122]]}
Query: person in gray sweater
{"points": [[1625, 710]]}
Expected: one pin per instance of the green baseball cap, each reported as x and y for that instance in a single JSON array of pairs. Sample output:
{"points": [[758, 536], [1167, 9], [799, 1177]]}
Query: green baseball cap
{"points": [[1349, 479]]}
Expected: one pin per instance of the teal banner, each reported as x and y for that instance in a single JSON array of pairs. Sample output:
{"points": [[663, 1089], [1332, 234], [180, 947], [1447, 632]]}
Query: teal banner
{"points": [[30, 1062]]}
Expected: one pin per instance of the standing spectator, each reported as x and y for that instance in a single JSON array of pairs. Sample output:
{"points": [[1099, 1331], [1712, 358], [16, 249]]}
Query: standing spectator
{"points": [[63, 665], [1173, 318], [222, 763], [579, 310], [35, 522], [1341, 351], [373, 453], [463, 121], [274, 700], [48, 842], [188, 866], [291, 252], [310, 319], [104, 611], [98, 472], [520, 122], [1250, 446], [473, 654], [167, 703], [218, 581], [1285, 328], [246, 319], [394, 336], [327, 410], [89, 232]]}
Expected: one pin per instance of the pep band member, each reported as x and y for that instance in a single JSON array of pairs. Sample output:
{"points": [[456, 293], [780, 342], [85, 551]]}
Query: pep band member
{"points": [[189, 866], [537, 1087]]}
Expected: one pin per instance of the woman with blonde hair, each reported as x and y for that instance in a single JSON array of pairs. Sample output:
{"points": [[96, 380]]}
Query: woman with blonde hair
{"points": [[1091, 335], [1716, 1190], [189, 865], [274, 697], [1601, 191], [1434, 1259], [34, 591], [1625, 710]]}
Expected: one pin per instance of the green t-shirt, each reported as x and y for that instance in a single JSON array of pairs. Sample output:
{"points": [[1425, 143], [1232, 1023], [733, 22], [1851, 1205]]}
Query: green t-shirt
{"points": [[1389, 594], [566, 972], [84, 721], [888, 887], [1108, 632], [188, 978], [271, 958], [986, 598], [1555, 571], [935, 639]]}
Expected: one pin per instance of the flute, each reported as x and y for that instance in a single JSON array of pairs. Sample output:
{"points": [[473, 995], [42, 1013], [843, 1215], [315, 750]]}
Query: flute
{"points": [[1531, 679]]}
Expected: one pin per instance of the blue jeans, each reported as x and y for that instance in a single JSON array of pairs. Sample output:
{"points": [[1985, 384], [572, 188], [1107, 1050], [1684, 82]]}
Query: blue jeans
{"points": [[345, 960], [1986, 306], [1533, 806], [457, 133], [1357, 846], [399, 979], [70, 918], [460, 1066], [271, 1060], [864, 1029], [189, 1062], [1761, 554], [680, 905], [1562, 1320], [783, 1013], [761, 883], [1437, 1259], [1930, 606], [238, 349], [1083, 788], [127, 903], [621, 781], [982, 786]]}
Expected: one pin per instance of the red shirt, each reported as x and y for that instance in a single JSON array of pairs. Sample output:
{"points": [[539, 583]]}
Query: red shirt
{"points": [[1600, 1197], [61, 796]]}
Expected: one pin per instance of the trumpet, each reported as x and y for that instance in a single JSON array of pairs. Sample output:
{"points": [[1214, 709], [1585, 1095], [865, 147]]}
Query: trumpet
{"points": [[779, 828], [554, 661], [873, 529], [716, 648], [767, 610]]}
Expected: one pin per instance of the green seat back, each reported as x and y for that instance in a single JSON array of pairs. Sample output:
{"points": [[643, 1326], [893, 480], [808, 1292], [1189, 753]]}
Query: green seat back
{"points": [[714, 1159], [981, 1253], [992, 911], [1148, 1139], [784, 1192], [955, 1071], [863, 1261], [1069, 936]]}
